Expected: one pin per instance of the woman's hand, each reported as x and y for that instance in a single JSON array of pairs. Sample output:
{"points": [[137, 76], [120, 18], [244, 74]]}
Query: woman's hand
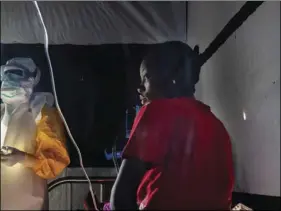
{"points": [[11, 156]]}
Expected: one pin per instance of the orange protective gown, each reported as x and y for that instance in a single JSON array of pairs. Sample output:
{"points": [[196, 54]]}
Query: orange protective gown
{"points": [[50, 150]]}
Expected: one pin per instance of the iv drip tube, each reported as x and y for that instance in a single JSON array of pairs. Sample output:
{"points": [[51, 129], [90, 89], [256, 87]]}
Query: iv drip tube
{"points": [[46, 45]]}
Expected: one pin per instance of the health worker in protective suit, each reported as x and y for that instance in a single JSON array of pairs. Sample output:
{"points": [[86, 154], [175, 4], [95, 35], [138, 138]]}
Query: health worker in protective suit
{"points": [[32, 138]]}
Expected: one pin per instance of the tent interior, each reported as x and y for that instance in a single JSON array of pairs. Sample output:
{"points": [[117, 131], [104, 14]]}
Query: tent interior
{"points": [[96, 49], [95, 86]]}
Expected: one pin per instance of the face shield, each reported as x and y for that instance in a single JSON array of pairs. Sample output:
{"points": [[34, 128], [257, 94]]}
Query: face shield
{"points": [[18, 77]]}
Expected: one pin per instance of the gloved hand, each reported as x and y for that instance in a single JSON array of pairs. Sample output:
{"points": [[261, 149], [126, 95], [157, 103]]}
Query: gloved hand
{"points": [[11, 156], [106, 207]]}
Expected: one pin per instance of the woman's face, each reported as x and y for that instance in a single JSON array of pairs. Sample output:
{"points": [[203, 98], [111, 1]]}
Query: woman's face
{"points": [[144, 87], [148, 89]]}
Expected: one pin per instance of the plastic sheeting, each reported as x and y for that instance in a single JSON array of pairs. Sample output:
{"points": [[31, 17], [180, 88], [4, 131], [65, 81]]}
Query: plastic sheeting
{"points": [[94, 23]]}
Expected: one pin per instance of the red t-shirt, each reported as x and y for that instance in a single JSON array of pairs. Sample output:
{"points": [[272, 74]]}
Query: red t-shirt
{"points": [[190, 152]]}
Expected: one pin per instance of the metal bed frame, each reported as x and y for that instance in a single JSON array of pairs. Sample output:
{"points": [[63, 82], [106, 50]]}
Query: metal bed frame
{"points": [[82, 180]]}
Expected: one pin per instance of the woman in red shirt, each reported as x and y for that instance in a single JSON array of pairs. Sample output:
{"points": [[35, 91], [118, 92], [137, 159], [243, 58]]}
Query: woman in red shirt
{"points": [[178, 156]]}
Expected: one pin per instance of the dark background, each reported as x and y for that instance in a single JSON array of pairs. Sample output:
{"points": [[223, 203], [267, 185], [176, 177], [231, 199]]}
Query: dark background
{"points": [[95, 85]]}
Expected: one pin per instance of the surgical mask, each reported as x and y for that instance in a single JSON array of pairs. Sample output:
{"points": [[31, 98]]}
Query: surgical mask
{"points": [[12, 92]]}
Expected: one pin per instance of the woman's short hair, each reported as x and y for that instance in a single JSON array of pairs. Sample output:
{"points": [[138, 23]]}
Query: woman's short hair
{"points": [[176, 65]]}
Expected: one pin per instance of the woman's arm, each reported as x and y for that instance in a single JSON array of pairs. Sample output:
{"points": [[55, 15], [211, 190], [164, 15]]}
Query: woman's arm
{"points": [[145, 148], [124, 191]]}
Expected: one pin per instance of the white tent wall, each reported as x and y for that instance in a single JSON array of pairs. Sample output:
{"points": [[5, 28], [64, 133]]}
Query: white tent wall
{"points": [[242, 81], [93, 23]]}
